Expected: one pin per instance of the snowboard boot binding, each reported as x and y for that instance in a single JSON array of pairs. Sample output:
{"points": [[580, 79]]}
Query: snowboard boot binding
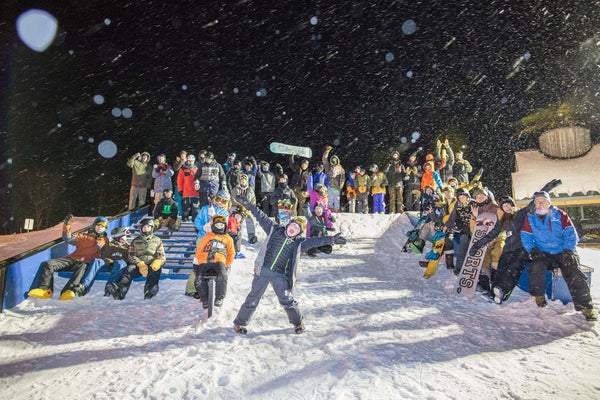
{"points": [[541, 301], [450, 261], [299, 328]]}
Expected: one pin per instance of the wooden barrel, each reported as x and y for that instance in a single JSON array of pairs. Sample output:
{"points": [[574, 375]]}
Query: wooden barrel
{"points": [[567, 142]]}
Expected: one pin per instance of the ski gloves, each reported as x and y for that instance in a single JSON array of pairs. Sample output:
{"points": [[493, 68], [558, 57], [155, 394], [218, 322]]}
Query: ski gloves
{"points": [[68, 219], [536, 254], [551, 185], [338, 239]]}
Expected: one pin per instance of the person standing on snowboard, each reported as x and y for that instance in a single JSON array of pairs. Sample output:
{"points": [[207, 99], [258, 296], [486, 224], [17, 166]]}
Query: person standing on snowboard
{"points": [[276, 264]]}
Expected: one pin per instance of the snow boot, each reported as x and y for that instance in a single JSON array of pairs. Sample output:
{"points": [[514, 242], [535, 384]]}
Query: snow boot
{"points": [[112, 290], [81, 290], [67, 295], [498, 295], [299, 328], [450, 261], [590, 314], [40, 293], [423, 264], [177, 225], [239, 255], [218, 302], [240, 329], [151, 292], [541, 301], [483, 285], [252, 240]]}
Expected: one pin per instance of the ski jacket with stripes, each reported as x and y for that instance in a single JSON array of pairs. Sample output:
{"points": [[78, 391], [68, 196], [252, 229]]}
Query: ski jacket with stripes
{"points": [[552, 233], [278, 252]]}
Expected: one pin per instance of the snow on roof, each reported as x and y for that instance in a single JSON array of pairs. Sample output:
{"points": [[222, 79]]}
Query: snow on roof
{"points": [[534, 170]]}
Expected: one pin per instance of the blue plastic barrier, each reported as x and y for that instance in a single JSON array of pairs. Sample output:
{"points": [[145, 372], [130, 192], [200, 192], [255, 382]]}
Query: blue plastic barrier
{"points": [[22, 275]]}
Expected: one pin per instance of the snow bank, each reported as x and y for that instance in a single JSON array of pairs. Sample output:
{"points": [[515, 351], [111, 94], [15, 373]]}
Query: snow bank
{"points": [[375, 330]]}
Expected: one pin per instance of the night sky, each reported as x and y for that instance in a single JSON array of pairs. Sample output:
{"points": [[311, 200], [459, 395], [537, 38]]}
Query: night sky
{"points": [[235, 76]]}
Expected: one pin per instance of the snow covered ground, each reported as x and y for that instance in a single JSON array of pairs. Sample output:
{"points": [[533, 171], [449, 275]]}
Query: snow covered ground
{"points": [[375, 330]]}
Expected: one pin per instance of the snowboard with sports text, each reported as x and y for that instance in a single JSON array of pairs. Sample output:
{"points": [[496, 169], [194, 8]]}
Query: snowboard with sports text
{"points": [[466, 284]]}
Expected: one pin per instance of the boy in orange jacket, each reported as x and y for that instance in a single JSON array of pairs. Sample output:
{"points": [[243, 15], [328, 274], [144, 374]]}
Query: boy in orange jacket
{"points": [[215, 252]]}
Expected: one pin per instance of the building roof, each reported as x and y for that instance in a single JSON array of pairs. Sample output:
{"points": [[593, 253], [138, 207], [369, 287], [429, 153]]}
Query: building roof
{"points": [[580, 176]]}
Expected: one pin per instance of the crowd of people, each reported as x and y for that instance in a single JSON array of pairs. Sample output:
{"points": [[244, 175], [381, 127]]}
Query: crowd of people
{"points": [[221, 199]]}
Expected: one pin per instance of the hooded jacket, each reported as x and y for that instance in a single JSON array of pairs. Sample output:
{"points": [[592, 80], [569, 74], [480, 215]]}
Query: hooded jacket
{"points": [[335, 173]]}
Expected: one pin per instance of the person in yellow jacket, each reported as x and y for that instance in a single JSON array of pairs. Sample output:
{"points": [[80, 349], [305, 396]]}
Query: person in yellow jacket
{"points": [[215, 252], [146, 257]]}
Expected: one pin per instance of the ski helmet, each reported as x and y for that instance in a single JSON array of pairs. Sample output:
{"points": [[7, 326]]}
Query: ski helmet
{"points": [[219, 219], [298, 221], [147, 221], [374, 168], [101, 221], [159, 156], [119, 233]]}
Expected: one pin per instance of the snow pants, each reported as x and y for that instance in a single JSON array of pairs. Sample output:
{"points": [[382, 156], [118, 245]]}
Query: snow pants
{"points": [[131, 272], [48, 268], [464, 241], [201, 284], [265, 204], [510, 267], [281, 288], [333, 201], [299, 205], [137, 194], [190, 206], [575, 279], [116, 268], [379, 203], [362, 203], [396, 199]]}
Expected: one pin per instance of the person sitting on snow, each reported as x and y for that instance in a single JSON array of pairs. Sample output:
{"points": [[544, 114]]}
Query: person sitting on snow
{"points": [[87, 247], [146, 257], [113, 256], [550, 238], [276, 264], [215, 253]]}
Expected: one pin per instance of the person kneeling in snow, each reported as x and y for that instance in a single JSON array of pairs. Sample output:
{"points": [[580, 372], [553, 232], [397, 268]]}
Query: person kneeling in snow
{"points": [[215, 253], [276, 264], [146, 257], [320, 221]]}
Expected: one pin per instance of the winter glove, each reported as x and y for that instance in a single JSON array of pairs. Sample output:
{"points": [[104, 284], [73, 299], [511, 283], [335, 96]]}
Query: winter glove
{"points": [[207, 227], [551, 185], [155, 166], [155, 265], [338, 239], [536, 254], [569, 257], [480, 172], [68, 219], [143, 268]]}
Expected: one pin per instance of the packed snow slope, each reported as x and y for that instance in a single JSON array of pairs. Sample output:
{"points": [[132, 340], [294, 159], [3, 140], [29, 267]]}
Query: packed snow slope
{"points": [[375, 330]]}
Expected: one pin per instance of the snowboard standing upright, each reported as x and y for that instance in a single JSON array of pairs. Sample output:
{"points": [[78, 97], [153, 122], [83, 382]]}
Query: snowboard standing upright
{"points": [[466, 284], [284, 211], [434, 255]]}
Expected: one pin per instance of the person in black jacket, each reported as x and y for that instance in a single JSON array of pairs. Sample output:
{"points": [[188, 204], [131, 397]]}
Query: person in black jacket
{"points": [[514, 257], [166, 211], [276, 264], [298, 183]]}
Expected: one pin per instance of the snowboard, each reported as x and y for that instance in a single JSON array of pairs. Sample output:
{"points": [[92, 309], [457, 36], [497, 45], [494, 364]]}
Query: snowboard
{"points": [[466, 284], [281, 148], [413, 237], [435, 254], [284, 211]]}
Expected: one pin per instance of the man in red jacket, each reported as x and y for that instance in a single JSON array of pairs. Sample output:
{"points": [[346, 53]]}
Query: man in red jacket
{"points": [[190, 202]]}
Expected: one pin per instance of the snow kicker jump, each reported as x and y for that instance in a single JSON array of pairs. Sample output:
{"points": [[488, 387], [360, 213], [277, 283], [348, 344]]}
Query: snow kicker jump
{"points": [[281, 148], [466, 284]]}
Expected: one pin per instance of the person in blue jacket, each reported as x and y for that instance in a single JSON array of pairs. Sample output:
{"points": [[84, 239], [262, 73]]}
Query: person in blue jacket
{"points": [[550, 238]]}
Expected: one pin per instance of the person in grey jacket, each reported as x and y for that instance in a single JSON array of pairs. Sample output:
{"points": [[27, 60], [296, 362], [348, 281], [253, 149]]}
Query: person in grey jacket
{"points": [[276, 264]]}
